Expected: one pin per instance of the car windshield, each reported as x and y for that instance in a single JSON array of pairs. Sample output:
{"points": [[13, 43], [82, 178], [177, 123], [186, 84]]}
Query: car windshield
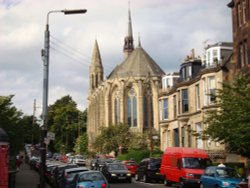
{"points": [[131, 163], [227, 173], [117, 167], [195, 163], [155, 163], [79, 157], [93, 176], [73, 173]]}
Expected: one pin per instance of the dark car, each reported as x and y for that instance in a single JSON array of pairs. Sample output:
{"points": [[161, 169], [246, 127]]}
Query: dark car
{"points": [[116, 172], [216, 176], [149, 170], [57, 173], [68, 175], [98, 163], [48, 172]]}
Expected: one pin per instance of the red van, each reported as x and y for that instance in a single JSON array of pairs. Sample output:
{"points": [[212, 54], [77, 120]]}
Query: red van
{"points": [[183, 165]]}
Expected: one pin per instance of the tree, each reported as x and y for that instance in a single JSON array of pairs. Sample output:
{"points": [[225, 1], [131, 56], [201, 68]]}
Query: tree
{"points": [[81, 145], [18, 127], [112, 138], [63, 121], [230, 123], [139, 141]]}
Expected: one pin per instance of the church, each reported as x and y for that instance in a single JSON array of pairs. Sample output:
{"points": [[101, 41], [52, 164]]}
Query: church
{"points": [[129, 94]]}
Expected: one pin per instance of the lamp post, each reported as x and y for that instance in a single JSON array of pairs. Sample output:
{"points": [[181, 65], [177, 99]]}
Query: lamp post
{"points": [[45, 57]]}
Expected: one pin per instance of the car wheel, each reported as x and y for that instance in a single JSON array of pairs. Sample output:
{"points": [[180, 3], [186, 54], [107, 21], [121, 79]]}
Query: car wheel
{"points": [[181, 184], [136, 177], [145, 178], [166, 182], [130, 180]]}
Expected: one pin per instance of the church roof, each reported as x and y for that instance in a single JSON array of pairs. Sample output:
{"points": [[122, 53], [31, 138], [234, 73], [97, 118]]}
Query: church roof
{"points": [[137, 64]]}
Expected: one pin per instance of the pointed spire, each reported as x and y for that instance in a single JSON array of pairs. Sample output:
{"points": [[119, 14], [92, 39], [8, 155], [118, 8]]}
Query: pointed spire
{"points": [[96, 57], [96, 68], [130, 32], [128, 41]]}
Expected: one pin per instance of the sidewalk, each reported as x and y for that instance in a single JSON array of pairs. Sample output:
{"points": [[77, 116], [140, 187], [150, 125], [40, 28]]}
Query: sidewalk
{"points": [[27, 178]]}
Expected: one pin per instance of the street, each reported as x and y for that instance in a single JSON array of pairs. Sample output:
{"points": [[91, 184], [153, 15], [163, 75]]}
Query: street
{"points": [[136, 184]]}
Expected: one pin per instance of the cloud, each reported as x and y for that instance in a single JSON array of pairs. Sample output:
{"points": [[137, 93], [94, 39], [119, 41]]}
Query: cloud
{"points": [[168, 31]]}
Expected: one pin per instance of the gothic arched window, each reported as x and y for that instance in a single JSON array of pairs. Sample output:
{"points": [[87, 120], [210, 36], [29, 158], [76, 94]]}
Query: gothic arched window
{"points": [[132, 108], [117, 110], [148, 110]]}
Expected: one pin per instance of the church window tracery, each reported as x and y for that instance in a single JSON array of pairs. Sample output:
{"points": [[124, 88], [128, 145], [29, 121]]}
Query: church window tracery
{"points": [[132, 108]]}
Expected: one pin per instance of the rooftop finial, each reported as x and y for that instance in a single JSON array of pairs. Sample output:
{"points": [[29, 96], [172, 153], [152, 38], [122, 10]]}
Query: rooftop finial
{"points": [[128, 41], [129, 21]]}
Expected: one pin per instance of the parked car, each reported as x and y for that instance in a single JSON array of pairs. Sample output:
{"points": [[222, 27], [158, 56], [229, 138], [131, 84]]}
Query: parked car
{"points": [[64, 159], [131, 166], [183, 166], [68, 175], [90, 179], [116, 172], [149, 170], [57, 173], [98, 163], [221, 177], [48, 173], [71, 159], [79, 160]]}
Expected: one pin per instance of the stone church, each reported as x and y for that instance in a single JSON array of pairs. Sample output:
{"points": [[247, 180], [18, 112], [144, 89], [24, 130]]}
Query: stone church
{"points": [[129, 94]]}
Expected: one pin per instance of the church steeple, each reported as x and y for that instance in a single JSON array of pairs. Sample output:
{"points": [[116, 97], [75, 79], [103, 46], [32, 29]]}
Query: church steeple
{"points": [[128, 41], [96, 68]]}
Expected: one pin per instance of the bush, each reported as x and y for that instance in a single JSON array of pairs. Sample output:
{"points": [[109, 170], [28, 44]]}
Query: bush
{"points": [[138, 155]]}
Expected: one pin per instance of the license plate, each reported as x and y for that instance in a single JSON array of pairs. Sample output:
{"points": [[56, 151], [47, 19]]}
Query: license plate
{"points": [[121, 178]]}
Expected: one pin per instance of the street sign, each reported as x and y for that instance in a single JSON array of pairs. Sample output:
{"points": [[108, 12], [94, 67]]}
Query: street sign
{"points": [[51, 135]]}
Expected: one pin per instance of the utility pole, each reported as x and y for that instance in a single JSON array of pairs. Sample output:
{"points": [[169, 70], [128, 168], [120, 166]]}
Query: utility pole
{"points": [[33, 122], [45, 57]]}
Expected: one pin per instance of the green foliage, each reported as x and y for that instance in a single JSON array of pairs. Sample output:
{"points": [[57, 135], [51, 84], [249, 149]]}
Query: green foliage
{"points": [[64, 122], [138, 142], [136, 155], [231, 121], [18, 127], [81, 145], [112, 137]]}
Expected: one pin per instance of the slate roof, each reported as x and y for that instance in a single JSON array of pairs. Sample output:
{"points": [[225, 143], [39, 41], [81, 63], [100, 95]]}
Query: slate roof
{"points": [[138, 64]]}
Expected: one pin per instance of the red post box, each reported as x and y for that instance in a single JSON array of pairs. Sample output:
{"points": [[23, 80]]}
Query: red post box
{"points": [[4, 159]]}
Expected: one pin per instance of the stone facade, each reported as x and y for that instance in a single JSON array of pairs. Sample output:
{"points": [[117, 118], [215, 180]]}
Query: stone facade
{"points": [[128, 95], [241, 35], [184, 104]]}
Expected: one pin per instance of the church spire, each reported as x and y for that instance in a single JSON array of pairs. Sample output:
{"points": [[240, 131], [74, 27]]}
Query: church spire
{"points": [[96, 68], [128, 41]]}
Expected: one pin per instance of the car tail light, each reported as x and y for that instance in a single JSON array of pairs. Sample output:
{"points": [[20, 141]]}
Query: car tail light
{"points": [[104, 185], [80, 186]]}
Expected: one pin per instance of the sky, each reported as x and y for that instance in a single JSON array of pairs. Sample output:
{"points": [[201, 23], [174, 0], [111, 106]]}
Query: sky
{"points": [[168, 31]]}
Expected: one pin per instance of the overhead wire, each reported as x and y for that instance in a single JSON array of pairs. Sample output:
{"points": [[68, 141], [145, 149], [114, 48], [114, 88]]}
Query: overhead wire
{"points": [[69, 48], [70, 52]]}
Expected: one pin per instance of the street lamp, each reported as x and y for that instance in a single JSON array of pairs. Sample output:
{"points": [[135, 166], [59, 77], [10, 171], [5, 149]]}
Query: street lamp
{"points": [[45, 57]]}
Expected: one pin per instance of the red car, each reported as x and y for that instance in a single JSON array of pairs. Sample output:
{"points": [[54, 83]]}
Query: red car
{"points": [[131, 166]]}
